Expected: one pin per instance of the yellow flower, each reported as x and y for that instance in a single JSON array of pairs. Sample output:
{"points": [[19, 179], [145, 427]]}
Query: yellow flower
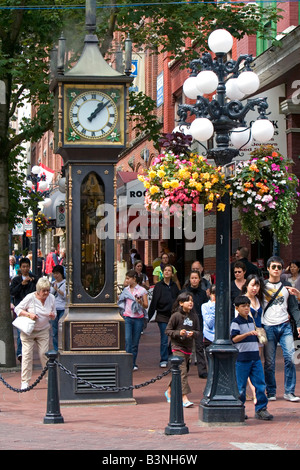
{"points": [[221, 207], [199, 187], [141, 178], [146, 184], [195, 175], [160, 173], [152, 174], [154, 189], [183, 173], [208, 185], [166, 184], [192, 183], [206, 176], [211, 197], [174, 184], [209, 206], [227, 186]]}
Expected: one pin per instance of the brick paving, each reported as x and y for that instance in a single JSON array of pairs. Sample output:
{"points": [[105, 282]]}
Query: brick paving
{"points": [[140, 426]]}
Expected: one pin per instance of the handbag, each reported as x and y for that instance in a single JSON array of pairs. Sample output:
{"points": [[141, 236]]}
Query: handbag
{"points": [[24, 324], [261, 333]]}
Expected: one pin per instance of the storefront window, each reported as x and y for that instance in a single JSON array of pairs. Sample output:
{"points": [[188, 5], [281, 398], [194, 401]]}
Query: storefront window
{"points": [[92, 248]]}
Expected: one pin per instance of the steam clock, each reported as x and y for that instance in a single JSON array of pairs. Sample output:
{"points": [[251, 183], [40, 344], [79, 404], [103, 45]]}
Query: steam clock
{"points": [[90, 132]]}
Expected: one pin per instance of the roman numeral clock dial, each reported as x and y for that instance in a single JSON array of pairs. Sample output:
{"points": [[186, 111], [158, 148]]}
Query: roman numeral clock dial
{"points": [[94, 116]]}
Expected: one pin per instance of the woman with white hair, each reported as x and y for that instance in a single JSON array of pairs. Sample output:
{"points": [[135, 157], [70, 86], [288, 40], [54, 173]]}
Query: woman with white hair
{"points": [[40, 307]]}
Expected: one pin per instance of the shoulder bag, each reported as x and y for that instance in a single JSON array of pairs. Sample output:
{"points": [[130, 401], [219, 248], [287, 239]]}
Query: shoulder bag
{"points": [[25, 324]]}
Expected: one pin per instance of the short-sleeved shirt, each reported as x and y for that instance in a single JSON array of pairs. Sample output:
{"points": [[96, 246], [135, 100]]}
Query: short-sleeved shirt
{"points": [[248, 347], [158, 272], [140, 291]]}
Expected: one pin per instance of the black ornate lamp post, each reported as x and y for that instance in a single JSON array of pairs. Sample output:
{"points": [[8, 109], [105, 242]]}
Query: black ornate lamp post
{"points": [[224, 116], [38, 190]]}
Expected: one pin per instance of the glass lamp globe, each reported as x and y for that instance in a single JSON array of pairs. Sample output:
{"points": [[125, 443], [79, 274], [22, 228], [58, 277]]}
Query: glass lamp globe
{"points": [[220, 40], [190, 88], [248, 82], [43, 185], [47, 202], [202, 129], [262, 130], [29, 184], [241, 137], [207, 81], [35, 169], [232, 90]]}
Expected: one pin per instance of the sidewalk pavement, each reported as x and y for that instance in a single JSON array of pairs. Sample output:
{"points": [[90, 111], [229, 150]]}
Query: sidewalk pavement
{"points": [[141, 426]]}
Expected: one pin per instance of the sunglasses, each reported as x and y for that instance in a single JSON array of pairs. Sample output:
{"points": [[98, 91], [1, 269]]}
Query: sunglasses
{"points": [[238, 272], [278, 266]]}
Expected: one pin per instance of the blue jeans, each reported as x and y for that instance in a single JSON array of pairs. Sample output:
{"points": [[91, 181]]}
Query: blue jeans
{"points": [[253, 370], [133, 331], [54, 323], [164, 342], [283, 335]]}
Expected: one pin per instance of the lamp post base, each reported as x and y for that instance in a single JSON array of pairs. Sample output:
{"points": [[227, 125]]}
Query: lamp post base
{"points": [[221, 403]]}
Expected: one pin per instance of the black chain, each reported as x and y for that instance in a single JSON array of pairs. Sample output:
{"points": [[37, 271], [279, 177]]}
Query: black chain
{"points": [[111, 389], [21, 390], [74, 376]]}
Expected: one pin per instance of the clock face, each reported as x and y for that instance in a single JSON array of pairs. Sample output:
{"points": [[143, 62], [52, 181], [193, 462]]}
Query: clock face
{"points": [[93, 114]]}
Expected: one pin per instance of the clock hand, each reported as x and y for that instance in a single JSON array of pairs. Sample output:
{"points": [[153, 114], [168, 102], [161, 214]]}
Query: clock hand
{"points": [[97, 110]]}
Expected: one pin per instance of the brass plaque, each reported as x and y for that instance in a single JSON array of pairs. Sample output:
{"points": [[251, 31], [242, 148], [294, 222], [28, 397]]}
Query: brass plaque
{"points": [[94, 336]]}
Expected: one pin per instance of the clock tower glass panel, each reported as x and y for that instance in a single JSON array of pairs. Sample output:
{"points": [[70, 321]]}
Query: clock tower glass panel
{"points": [[92, 248]]}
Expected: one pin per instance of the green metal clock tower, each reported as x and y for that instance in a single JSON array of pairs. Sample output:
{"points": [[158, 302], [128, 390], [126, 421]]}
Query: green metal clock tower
{"points": [[90, 131]]}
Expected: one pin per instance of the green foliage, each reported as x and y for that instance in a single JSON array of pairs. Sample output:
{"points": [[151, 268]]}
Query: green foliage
{"points": [[142, 109]]}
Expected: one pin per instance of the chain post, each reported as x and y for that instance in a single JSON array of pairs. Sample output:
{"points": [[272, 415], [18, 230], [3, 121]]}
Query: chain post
{"points": [[176, 424], [53, 415]]}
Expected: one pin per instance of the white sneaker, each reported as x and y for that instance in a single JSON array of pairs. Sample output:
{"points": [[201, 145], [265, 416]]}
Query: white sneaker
{"points": [[290, 397], [163, 364], [24, 385]]}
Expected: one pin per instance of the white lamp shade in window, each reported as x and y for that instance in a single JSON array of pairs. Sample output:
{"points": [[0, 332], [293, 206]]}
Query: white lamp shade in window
{"points": [[202, 129], [262, 130], [220, 40], [241, 137]]}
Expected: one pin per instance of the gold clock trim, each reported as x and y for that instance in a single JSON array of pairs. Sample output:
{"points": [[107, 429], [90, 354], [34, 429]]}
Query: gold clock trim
{"points": [[114, 138]]}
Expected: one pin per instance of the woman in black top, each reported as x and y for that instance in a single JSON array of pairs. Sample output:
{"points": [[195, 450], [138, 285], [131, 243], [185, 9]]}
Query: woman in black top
{"points": [[164, 295]]}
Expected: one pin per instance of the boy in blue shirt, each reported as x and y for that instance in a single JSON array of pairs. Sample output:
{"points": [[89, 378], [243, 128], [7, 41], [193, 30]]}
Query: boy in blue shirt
{"points": [[248, 362]]}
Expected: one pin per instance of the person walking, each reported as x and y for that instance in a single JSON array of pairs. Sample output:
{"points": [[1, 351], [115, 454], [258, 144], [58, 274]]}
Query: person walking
{"points": [[279, 304], [58, 289], [21, 285], [164, 295], [199, 297], [183, 328], [133, 302], [248, 364], [39, 306]]}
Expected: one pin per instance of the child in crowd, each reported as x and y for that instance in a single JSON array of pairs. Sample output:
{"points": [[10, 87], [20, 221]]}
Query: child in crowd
{"points": [[248, 363], [208, 314], [182, 328]]}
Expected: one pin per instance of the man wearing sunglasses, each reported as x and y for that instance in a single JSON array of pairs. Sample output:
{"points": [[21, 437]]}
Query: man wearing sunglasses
{"points": [[278, 307]]}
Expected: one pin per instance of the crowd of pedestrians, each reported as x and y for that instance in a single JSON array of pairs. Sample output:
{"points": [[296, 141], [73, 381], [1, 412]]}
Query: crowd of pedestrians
{"points": [[264, 313]]}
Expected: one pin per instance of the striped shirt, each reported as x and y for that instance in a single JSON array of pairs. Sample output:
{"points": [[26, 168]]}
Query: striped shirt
{"points": [[248, 347]]}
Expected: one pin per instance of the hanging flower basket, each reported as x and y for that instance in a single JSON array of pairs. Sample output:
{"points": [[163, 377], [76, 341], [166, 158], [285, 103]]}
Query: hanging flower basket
{"points": [[43, 224], [178, 176], [264, 190]]}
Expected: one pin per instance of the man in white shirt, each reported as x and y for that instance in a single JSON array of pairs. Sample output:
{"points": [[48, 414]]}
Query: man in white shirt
{"points": [[276, 321]]}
